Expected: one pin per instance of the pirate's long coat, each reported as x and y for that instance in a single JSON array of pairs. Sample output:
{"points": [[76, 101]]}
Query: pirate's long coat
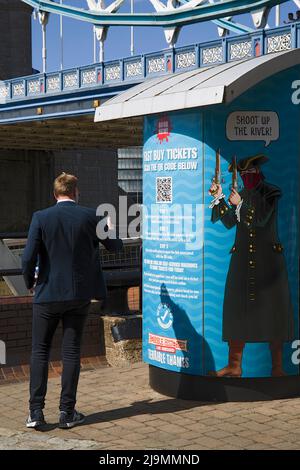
{"points": [[257, 303]]}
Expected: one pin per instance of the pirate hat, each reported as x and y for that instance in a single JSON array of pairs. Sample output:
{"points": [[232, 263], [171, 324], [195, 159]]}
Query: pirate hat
{"points": [[249, 162]]}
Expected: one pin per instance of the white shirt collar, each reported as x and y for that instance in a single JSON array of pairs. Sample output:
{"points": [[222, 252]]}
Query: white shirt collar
{"points": [[66, 200]]}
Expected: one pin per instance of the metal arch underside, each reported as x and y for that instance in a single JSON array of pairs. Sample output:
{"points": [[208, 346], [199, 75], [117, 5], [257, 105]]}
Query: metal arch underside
{"points": [[233, 27], [226, 24], [181, 17]]}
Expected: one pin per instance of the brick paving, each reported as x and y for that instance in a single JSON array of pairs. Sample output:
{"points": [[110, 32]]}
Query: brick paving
{"points": [[21, 372], [123, 412]]}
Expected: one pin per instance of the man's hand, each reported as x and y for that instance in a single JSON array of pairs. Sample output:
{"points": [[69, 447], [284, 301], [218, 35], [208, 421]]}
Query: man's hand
{"points": [[110, 224], [215, 190], [234, 198]]}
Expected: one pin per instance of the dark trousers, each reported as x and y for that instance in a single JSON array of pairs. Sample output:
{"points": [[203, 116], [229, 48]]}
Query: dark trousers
{"points": [[46, 317]]}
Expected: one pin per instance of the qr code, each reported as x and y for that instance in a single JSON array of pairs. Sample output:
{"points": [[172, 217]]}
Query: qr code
{"points": [[164, 189]]}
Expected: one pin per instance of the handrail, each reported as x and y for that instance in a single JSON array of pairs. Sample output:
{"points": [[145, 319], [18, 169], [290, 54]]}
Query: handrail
{"points": [[131, 70], [105, 266], [114, 268], [10, 272], [13, 235]]}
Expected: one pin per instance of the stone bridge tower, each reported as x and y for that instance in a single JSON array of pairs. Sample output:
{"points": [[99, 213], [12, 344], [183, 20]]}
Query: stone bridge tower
{"points": [[15, 39]]}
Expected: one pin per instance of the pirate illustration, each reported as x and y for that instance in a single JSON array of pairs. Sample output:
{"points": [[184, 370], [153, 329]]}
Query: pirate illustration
{"points": [[257, 304]]}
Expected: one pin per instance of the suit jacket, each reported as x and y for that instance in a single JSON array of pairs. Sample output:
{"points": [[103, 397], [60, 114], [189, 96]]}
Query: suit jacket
{"points": [[62, 241]]}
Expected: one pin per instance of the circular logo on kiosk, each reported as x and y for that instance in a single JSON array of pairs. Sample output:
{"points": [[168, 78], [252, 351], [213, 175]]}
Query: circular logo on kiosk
{"points": [[164, 316], [163, 129]]}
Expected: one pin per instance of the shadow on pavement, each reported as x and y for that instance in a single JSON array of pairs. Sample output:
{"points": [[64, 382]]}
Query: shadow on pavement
{"points": [[46, 427], [142, 407]]}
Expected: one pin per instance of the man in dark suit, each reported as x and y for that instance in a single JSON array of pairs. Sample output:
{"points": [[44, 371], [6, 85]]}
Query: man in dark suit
{"points": [[62, 252]]}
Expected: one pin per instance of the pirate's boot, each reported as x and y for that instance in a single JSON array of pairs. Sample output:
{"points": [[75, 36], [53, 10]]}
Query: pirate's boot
{"points": [[276, 352], [234, 367]]}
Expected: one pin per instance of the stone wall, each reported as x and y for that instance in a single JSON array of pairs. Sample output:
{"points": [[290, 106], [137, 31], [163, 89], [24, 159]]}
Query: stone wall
{"points": [[98, 338], [26, 179], [97, 171], [25, 186], [15, 331], [128, 348], [15, 39]]}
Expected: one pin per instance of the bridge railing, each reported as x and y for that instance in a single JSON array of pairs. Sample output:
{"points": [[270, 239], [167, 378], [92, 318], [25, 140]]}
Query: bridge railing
{"points": [[134, 69]]}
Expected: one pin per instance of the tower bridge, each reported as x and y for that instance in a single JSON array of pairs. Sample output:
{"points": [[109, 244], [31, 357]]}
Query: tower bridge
{"points": [[58, 107], [47, 120]]}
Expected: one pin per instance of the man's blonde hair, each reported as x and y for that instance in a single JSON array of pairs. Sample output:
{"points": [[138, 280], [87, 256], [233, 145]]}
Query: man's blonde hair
{"points": [[65, 185]]}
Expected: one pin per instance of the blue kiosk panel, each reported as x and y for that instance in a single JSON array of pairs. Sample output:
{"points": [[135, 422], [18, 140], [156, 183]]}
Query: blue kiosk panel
{"points": [[220, 276], [173, 243]]}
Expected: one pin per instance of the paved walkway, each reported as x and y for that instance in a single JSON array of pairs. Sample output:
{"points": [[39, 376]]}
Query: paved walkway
{"points": [[124, 413]]}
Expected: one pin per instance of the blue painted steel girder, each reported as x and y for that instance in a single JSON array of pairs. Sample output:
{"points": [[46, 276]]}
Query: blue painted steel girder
{"points": [[207, 12]]}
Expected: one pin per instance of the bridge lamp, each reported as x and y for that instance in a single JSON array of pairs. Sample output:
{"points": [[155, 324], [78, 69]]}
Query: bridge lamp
{"points": [[43, 19]]}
